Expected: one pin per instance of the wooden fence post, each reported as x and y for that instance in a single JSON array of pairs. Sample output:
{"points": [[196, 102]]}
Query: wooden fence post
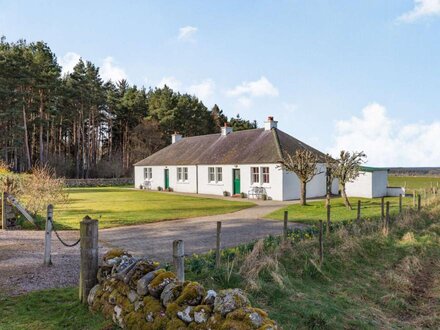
{"points": [[48, 236], [359, 211], [387, 218], [286, 218], [3, 206], [400, 203], [419, 202], [89, 257], [382, 208], [328, 219], [218, 245], [321, 244], [179, 260], [414, 198]]}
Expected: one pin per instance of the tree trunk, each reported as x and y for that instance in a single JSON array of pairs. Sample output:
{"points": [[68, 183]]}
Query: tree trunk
{"points": [[328, 181], [40, 137], [344, 196], [303, 199], [26, 139]]}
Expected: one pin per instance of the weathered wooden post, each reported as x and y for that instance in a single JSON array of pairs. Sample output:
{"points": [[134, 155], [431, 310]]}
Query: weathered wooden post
{"points": [[3, 206], [321, 244], [286, 218], [387, 218], [414, 198], [179, 260], [218, 245], [382, 209], [358, 211], [419, 202], [328, 219], [89, 257], [48, 236], [400, 203]]}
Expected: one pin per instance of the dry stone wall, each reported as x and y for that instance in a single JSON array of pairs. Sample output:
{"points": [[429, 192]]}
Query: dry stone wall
{"points": [[137, 294]]}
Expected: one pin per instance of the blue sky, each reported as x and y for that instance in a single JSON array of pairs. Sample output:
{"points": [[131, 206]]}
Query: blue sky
{"points": [[356, 75]]}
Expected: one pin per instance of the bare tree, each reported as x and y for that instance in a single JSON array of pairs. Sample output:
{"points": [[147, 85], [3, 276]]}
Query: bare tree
{"points": [[304, 163], [346, 169]]}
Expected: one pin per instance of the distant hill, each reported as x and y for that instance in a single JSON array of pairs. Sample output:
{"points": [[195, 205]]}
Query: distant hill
{"points": [[415, 171]]}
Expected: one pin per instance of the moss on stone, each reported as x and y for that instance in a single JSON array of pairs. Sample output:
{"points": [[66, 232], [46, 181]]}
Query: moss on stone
{"points": [[152, 305], [161, 280], [134, 320], [176, 324], [172, 309], [206, 308], [192, 294], [229, 324], [113, 253]]}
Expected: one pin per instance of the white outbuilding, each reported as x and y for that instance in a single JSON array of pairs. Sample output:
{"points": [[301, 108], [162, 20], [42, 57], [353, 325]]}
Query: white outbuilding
{"points": [[372, 182], [230, 163]]}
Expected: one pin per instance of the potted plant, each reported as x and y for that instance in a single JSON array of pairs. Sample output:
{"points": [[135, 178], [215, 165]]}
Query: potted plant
{"points": [[264, 197], [159, 188], [242, 195], [225, 193]]}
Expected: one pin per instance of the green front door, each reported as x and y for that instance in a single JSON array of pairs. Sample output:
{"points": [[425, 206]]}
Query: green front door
{"points": [[167, 178], [236, 175]]}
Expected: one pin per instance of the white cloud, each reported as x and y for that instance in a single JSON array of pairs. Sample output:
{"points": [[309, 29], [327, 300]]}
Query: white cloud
{"points": [[68, 61], [260, 87], [388, 142], [109, 71], [171, 82], [422, 8], [203, 90], [187, 33], [244, 102]]}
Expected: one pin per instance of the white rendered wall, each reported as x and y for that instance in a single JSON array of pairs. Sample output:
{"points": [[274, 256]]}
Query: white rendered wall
{"points": [[158, 178], [273, 188], [361, 186], [369, 185], [315, 188], [380, 183]]}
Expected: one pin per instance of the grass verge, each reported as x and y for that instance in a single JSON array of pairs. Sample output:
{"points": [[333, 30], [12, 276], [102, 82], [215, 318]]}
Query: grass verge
{"points": [[116, 206], [315, 211]]}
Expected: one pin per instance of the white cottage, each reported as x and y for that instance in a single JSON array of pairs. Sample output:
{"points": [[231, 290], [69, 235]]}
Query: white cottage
{"points": [[232, 162]]}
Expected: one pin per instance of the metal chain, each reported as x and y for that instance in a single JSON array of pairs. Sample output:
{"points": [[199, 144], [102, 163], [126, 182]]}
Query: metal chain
{"points": [[58, 236]]}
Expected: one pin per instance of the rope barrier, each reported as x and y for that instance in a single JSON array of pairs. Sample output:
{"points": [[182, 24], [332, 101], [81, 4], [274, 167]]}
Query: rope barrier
{"points": [[60, 239]]}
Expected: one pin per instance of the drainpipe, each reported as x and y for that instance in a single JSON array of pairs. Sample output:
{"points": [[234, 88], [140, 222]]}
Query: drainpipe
{"points": [[197, 179]]}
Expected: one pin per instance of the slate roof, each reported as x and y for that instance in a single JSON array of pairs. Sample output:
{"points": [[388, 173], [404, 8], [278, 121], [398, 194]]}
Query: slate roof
{"points": [[256, 146]]}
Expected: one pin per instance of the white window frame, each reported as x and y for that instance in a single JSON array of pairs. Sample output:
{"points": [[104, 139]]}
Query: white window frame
{"points": [[179, 174], [265, 176], [148, 174], [219, 174], [255, 175], [211, 174], [185, 174]]}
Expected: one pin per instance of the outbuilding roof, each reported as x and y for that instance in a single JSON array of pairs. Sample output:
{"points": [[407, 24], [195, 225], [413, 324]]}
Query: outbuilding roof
{"points": [[256, 146]]}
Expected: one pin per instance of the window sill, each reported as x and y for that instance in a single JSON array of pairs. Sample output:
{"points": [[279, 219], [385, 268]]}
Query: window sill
{"points": [[182, 182], [216, 183]]}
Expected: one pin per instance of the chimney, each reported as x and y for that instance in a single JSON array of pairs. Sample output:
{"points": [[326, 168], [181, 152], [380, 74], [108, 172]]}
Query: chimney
{"points": [[270, 123], [226, 129], [176, 137]]}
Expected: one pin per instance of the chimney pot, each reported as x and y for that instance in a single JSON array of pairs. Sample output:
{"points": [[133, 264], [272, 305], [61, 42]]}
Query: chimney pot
{"points": [[176, 137], [270, 123]]}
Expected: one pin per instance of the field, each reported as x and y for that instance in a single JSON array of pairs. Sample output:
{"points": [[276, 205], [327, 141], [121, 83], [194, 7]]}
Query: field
{"points": [[115, 206], [414, 182], [367, 281], [315, 211]]}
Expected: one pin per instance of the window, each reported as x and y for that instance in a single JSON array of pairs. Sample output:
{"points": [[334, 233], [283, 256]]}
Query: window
{"points": [[148, 173], [215, 174], [255, 175], [182, 174], [265, 172], [211, 174], [219, 172]]}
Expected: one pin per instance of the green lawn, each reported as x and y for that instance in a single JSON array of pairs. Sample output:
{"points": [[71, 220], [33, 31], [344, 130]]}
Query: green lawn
{"points": [[116, 206], [315, 211], [47, 310], [414, 182]]}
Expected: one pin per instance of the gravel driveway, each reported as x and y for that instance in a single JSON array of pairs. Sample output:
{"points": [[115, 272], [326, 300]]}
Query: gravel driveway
{"points": [[21, 252]]}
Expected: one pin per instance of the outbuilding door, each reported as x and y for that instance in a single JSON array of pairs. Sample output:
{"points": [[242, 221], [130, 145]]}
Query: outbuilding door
{"points": [[236, 183], [167, 178]]}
